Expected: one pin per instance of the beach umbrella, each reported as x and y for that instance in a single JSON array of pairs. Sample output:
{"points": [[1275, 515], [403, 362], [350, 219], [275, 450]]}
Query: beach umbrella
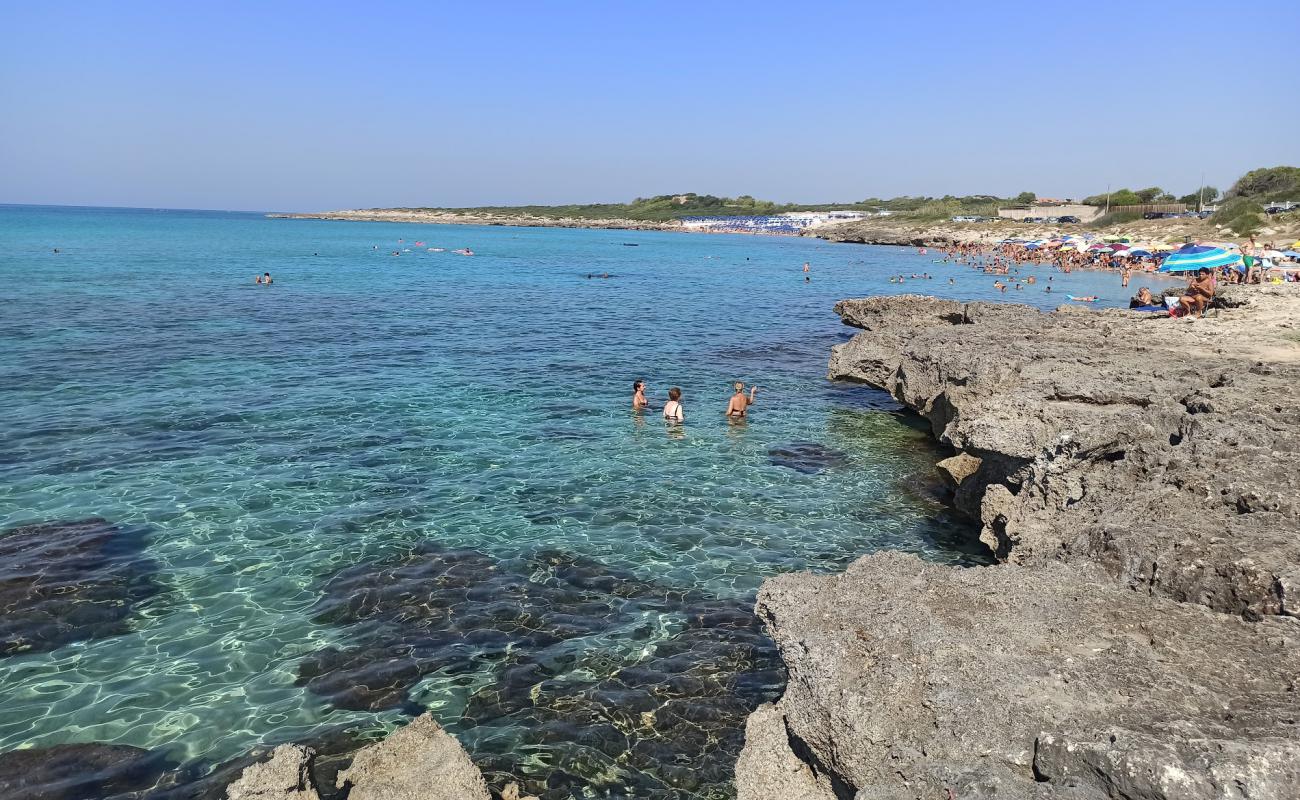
{"points": [[1117, 248], [1117, 238], [1273, 254], [1291, 253], [1194, 256], [1163, 246], [1138, 252]]}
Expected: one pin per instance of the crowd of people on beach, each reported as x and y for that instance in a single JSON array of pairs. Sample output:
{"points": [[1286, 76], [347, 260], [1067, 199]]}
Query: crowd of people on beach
{"points": [[737, 406], [1005, 260]]}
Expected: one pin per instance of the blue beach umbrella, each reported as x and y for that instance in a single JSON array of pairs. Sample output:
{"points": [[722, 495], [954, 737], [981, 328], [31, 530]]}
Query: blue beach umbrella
{"points": [[1194, 256], [1138, 252]]}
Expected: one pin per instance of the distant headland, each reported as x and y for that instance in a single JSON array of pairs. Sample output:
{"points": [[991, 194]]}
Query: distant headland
{"points": [[1262, 202]]}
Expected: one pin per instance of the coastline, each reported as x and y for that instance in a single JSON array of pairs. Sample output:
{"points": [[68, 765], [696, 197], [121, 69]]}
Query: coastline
{"points": [[893, 230], [1139, 481]]}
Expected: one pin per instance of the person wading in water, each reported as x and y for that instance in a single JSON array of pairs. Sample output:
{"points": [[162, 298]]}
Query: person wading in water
{"points": [[739, 403]]}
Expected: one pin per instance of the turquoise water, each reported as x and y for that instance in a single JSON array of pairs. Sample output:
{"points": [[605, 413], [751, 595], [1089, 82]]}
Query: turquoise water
{"points": [[259, 440]]}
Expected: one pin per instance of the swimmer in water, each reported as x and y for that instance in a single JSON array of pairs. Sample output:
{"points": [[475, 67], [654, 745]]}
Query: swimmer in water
{"points": [[739, 403], [673, 408], [266, 279], [638, 396]]}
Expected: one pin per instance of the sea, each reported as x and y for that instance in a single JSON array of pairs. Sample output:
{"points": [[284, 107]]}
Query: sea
{"points": [[399, 479]]}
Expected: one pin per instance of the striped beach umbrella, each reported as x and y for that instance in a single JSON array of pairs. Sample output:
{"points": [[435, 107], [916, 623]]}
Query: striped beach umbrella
{"points": [[1194, 256]]}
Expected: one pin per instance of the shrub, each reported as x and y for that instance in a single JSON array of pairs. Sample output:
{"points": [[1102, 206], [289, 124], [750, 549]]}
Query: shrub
{"points": [[1243, 216], [1115, 218]]}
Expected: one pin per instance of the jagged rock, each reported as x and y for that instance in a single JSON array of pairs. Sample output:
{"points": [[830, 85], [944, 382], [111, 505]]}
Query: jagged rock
{"points": [[285, 776], [77, 771], [958, 468], [1116, 453], [1166, 450], [417, 762], [908, 679], [768, 767]]}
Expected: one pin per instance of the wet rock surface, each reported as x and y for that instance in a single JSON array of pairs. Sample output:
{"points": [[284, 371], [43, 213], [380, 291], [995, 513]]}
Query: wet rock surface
{"points": [[560, 715], [1139, 479], [63, 582]]}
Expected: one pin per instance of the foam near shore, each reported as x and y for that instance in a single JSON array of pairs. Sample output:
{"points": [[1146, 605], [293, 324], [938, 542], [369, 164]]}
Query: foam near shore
{"points": [[1139, 480]]}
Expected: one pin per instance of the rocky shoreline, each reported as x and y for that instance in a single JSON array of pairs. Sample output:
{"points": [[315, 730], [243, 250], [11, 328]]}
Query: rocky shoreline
{"points": [[1139, 481]]}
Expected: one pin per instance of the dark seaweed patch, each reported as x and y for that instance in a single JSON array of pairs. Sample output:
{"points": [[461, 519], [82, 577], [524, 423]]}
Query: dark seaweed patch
{"points": [[64, 582], [559, 716]]}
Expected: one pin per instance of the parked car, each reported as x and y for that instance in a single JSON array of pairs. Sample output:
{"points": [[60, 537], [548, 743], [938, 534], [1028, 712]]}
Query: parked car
{"points": [[1034, 219], [1068, 220]]}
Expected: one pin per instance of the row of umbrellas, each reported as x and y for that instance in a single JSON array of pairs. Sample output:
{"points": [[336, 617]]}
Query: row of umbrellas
{"points": [[1187, 258]]}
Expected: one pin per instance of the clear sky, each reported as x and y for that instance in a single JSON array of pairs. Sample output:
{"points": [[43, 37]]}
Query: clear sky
{"points": [[320, 105]]}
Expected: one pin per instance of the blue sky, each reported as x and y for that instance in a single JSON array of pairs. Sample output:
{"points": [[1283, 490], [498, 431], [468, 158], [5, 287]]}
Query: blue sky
{"points": [[307, 106]]}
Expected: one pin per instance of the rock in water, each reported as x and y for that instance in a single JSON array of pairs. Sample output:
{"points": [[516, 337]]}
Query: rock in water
{"points": [[64, 582], [77, 771], [285, 776], [418, 762], [807, 457]]}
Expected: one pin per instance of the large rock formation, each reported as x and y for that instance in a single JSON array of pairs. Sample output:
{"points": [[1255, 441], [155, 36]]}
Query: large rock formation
{"points": [[1139, 478]]}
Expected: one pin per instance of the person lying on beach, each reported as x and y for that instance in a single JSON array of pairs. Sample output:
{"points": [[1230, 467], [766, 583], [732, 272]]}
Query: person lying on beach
{"points": [[740, 402], [638, 396], [673, 408]]}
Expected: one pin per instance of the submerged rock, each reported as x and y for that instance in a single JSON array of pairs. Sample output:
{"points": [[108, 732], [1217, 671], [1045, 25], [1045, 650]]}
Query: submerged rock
{"points": [[77, 771], [807, 457], [63, 582], [559, 713]]}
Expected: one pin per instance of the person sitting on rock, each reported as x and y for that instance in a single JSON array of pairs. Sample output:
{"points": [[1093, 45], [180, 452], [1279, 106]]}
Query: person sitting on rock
{"points": [[1142, 299]]}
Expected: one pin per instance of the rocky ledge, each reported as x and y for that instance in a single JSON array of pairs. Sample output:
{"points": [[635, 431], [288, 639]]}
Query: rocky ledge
{"points": [[1138, 478]]}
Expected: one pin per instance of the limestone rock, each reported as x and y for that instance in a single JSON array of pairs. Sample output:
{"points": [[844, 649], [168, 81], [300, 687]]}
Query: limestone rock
{"points": [[285, 776], [418, 762], [910, 677], [768, 767]]}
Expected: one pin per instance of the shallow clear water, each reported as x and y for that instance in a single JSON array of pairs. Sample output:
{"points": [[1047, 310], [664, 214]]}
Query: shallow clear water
{"points": [[261, 439]]}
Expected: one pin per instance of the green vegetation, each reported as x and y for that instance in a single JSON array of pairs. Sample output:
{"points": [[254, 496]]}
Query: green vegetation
{"points": [[1120, 217], [1123, 197], [1243, 215], [1206, 195], [663, 208], [1260, 185], [1270, 183]]}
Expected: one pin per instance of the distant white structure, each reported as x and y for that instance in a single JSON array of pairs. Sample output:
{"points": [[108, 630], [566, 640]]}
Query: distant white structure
{"points": [[792, 222]]}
